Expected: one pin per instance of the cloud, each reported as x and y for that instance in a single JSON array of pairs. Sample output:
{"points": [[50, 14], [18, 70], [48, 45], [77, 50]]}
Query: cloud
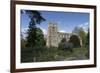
{"points": [[44, 31], [62, 31], [85, 26], [24, 32]]}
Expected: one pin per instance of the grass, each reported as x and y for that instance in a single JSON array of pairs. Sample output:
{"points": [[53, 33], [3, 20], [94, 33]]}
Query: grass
{"points": [[42, 54]]}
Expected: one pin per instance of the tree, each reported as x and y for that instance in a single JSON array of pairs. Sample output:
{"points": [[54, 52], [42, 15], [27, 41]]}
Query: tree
{"points": [[63, 40], [23, 41], [87, 39], [74, 39], [87, 44], [34, 36], [31, 35], [35, 18], [82, 35], [79, 31], [40, 41], [76, 31]]}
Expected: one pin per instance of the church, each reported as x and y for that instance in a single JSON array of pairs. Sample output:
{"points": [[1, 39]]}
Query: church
{"points": [[54, 37]]}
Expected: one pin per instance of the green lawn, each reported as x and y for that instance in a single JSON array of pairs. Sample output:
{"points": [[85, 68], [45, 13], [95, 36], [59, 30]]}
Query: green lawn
{"points": [[42, 54]]}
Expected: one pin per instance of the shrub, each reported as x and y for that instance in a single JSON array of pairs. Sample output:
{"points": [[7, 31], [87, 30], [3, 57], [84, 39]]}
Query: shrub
{"points": [[74, 39], [65, 46], [38, 54], [26, 55]]}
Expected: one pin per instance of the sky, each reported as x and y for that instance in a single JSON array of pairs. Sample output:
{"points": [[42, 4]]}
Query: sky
{"points": [[66, 21]]}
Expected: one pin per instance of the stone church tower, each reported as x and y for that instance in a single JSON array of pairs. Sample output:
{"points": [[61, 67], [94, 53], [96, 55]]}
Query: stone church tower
{"points": [[53, 36]]}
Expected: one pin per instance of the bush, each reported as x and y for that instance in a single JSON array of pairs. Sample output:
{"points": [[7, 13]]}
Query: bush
{"points": [[26, 55], [65, 46], [38, 54], [74, 39]]}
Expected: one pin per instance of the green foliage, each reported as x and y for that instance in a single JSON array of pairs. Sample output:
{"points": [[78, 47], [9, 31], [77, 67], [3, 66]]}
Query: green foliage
{"points": [[63, 40], [35, 16], [31, 35], [26, 55], [23, 43], [36, 38], [38, 54], [87, 40], [75, 41], [40, 38], [64, 45], [82, 35], [36, 51], [87, 44], [44, 54], [80, 53], [34, 33]]}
